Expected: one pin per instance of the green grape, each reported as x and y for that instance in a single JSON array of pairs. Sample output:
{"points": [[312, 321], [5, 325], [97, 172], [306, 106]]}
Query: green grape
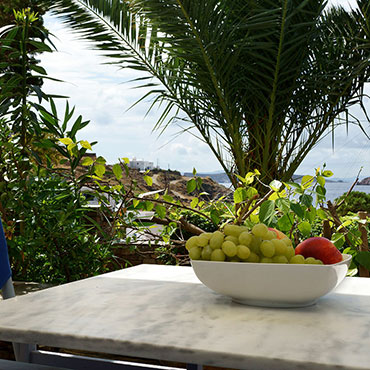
{"points": [[290, 252], [253, 257], [297, 259], [218, 255], [254, 246], [245, 238], [279, 259], [206, 235], [287, 241], [234, 230], [206, 253], [260, 230], [319, 262], [233, 239], [216, 240], [202, 240], [270, 235], [280, 247], [266, 260], [267, 248], [310, 261], [191, 243], [243, 251], [229, 248], [233, 259], [194, 253]]}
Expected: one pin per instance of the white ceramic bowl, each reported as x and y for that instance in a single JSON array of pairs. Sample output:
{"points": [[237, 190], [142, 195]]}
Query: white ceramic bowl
{"points": [[269, 284]]}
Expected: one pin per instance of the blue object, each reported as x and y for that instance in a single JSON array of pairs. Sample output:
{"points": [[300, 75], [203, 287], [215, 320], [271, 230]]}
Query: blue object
{"points": [[5, 271]]}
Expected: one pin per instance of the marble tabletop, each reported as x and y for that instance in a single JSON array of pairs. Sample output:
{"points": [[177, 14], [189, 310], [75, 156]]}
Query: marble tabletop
{"points": [[164, 312]]}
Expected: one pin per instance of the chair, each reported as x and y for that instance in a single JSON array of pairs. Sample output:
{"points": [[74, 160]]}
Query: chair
{"points": [[6, 284]]}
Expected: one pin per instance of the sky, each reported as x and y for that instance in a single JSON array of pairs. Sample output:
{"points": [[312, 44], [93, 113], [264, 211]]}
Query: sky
{"points": [[103, 94]]}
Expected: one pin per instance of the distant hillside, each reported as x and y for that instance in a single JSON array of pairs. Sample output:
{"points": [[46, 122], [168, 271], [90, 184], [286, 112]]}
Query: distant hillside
{"points": [[219, 177], [365, 181]]}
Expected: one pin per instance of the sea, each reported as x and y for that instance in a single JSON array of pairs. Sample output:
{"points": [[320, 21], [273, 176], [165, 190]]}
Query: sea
{"points": [[335, 189]]}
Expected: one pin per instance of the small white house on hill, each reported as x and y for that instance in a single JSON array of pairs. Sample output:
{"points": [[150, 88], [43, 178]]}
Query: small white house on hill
{"points": [[141, 165]]}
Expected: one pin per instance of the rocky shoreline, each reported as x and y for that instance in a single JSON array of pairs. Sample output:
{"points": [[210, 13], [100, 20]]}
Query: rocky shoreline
{"points": [[365, 181]]}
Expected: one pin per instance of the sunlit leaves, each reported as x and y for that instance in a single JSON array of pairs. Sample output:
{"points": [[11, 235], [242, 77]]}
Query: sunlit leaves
{"points": [[240, 195], [307, 181], [305, 228], [327, 173], [85, 144], [148, 180], [297, 209], [87, 161], [117, 170], [191, 185], [267, 212], [99, 169]]}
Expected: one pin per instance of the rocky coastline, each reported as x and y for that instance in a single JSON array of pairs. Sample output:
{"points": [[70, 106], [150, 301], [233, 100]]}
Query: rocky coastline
{"points": [[365, 181]]}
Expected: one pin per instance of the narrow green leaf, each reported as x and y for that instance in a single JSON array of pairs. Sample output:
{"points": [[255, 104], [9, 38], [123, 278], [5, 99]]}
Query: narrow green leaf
{"points": [[267, 212], [135, 202]]}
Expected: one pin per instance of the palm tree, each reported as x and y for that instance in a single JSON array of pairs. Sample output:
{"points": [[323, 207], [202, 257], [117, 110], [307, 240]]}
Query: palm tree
{"points": [[262, 81]]}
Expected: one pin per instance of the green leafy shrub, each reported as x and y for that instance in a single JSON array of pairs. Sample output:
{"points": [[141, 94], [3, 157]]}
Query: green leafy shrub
{"points": [[354, 202], [57, 242]]}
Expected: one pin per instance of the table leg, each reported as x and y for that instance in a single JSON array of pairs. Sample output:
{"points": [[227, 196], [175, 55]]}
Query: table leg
{"points": [[194, 367], [22, 351]]}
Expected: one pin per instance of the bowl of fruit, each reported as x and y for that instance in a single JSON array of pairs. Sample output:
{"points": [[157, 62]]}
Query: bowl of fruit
{"points": [[260, 267]]}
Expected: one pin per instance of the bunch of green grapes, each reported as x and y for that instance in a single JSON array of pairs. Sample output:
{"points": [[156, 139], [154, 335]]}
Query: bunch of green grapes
{"points": [[239, 244]]}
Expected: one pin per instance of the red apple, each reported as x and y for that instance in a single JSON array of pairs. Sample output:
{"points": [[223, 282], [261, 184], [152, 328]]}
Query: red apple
{"points": [[319, 248], [279, 234]]}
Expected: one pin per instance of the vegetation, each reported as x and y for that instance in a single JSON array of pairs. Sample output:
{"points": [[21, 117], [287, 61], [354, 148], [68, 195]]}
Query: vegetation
{"points": [[262, 82], [354, 202], [7, 8], [49, 234], [53, 234]]}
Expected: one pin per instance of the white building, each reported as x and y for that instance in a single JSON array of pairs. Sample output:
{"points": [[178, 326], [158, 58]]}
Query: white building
{"points": [[141, 165]]}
